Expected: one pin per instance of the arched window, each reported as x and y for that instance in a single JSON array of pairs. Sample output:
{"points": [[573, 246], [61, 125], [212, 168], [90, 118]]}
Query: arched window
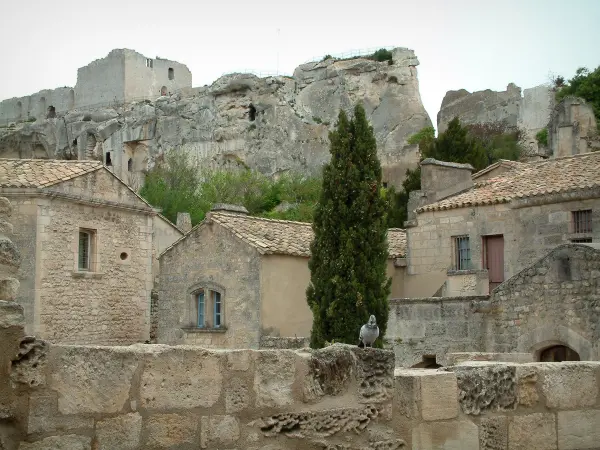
{"points": [[206, 307], [171, 73], [130, 165], [559, 353]]}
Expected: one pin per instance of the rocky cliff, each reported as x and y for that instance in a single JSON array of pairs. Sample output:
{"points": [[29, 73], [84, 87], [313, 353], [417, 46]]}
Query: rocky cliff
{"points": [[272, 124]]}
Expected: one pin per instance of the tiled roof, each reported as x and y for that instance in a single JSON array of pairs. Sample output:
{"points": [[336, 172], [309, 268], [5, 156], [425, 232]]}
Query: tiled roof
{"points": [[285, 237], [524, 180], [39, 173]]}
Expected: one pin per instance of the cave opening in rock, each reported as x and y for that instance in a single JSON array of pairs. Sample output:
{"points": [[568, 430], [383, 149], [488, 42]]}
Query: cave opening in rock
{"points": [[252, 113]]}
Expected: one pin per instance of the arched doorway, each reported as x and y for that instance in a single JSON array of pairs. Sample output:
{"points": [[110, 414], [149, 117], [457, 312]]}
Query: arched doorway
{"points": [[559, 353]]}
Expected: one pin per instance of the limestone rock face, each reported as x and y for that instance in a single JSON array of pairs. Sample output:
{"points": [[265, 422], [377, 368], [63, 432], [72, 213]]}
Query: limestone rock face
{"points": [[273, 124]]}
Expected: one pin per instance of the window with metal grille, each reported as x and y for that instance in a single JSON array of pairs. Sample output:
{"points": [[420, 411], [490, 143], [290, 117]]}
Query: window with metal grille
{"points": [[462, 253], [209, 309], [85, 250], [582, 221]]}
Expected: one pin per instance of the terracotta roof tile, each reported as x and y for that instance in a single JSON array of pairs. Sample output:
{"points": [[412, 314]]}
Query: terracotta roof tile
{"points": [[528, 180], [39, 173], [286, 237]]}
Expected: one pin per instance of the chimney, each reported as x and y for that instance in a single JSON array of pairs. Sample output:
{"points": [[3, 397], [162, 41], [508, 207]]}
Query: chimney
{"points": [[184, 221], [224, 207], [440, 179]]}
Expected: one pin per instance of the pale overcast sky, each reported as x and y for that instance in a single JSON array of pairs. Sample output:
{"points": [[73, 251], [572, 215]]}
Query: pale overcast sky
{"points": [[470, 44]]}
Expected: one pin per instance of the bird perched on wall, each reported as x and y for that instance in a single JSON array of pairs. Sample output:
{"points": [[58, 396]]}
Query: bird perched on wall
{"points": [[369, 332]]}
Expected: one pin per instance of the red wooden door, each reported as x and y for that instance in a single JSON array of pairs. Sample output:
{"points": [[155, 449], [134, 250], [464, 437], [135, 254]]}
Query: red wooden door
{"points": [[494, 251]]}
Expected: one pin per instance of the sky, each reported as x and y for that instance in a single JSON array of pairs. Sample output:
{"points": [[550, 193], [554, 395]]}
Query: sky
{"points": [[461, 44]]}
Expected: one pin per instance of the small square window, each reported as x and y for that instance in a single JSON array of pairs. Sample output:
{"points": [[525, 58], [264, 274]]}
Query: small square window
{"points": [[462, 253], [86, 250], [582, 221]]}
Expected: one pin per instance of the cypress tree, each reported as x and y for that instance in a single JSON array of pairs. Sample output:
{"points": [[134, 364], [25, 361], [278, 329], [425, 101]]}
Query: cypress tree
{"points": [[349, 251]]}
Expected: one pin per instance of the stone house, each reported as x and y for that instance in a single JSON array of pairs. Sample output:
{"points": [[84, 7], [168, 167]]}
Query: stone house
{"points": [[88, 244], [469, 233], [238, 281]]}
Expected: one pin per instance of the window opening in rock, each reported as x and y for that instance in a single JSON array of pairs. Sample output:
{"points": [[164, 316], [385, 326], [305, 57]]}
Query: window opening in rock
{"points": [[385, 185], [171, 73], [51, 112], [130, 165], [108, 160], [559, 353], [252, 113], [149, 63]]}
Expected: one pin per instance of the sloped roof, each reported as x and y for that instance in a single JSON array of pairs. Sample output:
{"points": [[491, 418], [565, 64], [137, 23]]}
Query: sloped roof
{"points": [[40, 173], [284, 237], [524, 180]]}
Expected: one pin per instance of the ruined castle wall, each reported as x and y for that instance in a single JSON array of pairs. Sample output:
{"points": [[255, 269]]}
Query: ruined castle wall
{"points": [[144, 81], [554, 301], [210, 257], [428, 327], [35, 106], [102, 81]]}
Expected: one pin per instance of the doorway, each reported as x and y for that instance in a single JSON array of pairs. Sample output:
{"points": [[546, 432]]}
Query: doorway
{"points": [[493, 259]]}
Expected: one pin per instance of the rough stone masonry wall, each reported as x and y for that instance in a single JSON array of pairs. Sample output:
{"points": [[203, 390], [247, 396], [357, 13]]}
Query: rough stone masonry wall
{"points": [[160, 397], [213, 258], [554, 301], [419, 327], [499, 406]]}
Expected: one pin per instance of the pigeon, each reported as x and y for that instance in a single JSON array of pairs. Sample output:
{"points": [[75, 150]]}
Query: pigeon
{"points": [[369, 332]]}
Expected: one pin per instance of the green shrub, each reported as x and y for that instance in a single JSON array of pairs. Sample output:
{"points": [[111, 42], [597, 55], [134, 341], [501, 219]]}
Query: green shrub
{"points": [[382, 55], [326, 57], [542, 137], [317, 119]]}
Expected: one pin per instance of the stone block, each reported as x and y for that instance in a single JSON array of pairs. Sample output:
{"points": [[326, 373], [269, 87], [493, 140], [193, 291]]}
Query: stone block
{"points": [[65, 442], [44, 417], [527, 379], [578, 430], [9, 255], [119, 433], [92, 379], [450, 435], [239, 360], [219, 431], [274, 378], [569, 384], [427, 394], [237, 395], [493, 433], [171, 430], [8, 289], [197, 382], [532, 432], [486, 386]]}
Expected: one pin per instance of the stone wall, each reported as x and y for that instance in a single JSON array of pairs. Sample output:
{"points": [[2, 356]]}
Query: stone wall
{"points": [[420, 328], [572, 128], [159, 397], [499, 406], [35, 106], [554, 301], [210, 257]]}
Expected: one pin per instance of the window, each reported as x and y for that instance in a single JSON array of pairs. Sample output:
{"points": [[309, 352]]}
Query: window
{"points": [[209, 309], [108, 159], [252, 113], [130, 165], [462, 253], [171, 73], [86, 250], [582, 221], [149, 63]]}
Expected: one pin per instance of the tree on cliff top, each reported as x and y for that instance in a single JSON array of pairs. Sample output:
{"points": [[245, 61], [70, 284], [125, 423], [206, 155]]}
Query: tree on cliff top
{"points": [[584, 84], [349, 251]]}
